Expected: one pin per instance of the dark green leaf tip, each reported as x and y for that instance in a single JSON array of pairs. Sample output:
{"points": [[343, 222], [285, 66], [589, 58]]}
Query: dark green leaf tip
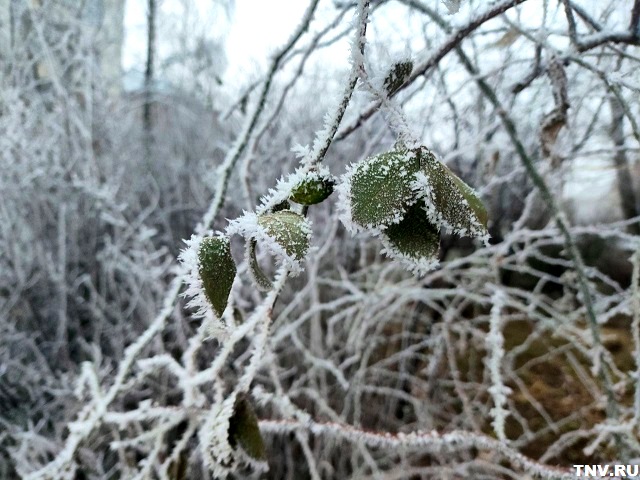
{"points": [[244, 431]]}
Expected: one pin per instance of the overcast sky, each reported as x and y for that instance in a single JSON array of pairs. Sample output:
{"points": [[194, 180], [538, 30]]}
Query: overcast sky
{"points": [[256, 28]]}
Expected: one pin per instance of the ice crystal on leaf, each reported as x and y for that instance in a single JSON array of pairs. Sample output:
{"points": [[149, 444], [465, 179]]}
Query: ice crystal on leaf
{"points": [[217, 453], [290, 231]]}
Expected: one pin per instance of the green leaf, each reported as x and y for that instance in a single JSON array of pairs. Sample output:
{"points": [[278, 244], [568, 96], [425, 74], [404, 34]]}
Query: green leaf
{"points": [[257, 275], [313, 189], [397, 75], [450, 202], [289, 230], [244, 430], [380, 188], [415, 238], [217, 271]]}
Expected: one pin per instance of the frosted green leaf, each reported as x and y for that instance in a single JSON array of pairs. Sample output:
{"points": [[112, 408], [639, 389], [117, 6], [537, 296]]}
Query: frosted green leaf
{"points": [[244, 430], [289, 230], [415, 240], [312, 189], [257, 275], [381, 188], [449, 202], [217, 271], [397, 75]]}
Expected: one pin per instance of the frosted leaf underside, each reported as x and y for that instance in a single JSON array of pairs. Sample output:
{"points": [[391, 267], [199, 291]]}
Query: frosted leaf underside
{"points": [[414, 237]]}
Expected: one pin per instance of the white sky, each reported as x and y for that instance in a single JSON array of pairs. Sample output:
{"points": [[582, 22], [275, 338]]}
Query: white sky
{"points": [[255, 30]]}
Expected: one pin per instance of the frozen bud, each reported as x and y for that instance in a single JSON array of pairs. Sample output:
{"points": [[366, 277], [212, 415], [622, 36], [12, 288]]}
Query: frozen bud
{"points": [[398, 74], [314, 188]]}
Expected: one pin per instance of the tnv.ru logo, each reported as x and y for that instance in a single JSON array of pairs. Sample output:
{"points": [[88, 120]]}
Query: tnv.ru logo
{"points": [[612, 471]]}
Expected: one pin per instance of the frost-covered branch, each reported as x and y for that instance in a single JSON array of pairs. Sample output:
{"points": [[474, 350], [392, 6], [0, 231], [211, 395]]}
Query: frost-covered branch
{"points": [[425, 442]]}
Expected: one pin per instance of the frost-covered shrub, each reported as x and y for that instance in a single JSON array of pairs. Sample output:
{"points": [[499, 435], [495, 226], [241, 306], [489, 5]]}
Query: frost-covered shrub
{"points": [[301, 350]]}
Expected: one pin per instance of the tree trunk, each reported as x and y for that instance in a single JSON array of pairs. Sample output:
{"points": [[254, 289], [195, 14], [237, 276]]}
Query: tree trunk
{"points": [[148, 79], [627, 193]]}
